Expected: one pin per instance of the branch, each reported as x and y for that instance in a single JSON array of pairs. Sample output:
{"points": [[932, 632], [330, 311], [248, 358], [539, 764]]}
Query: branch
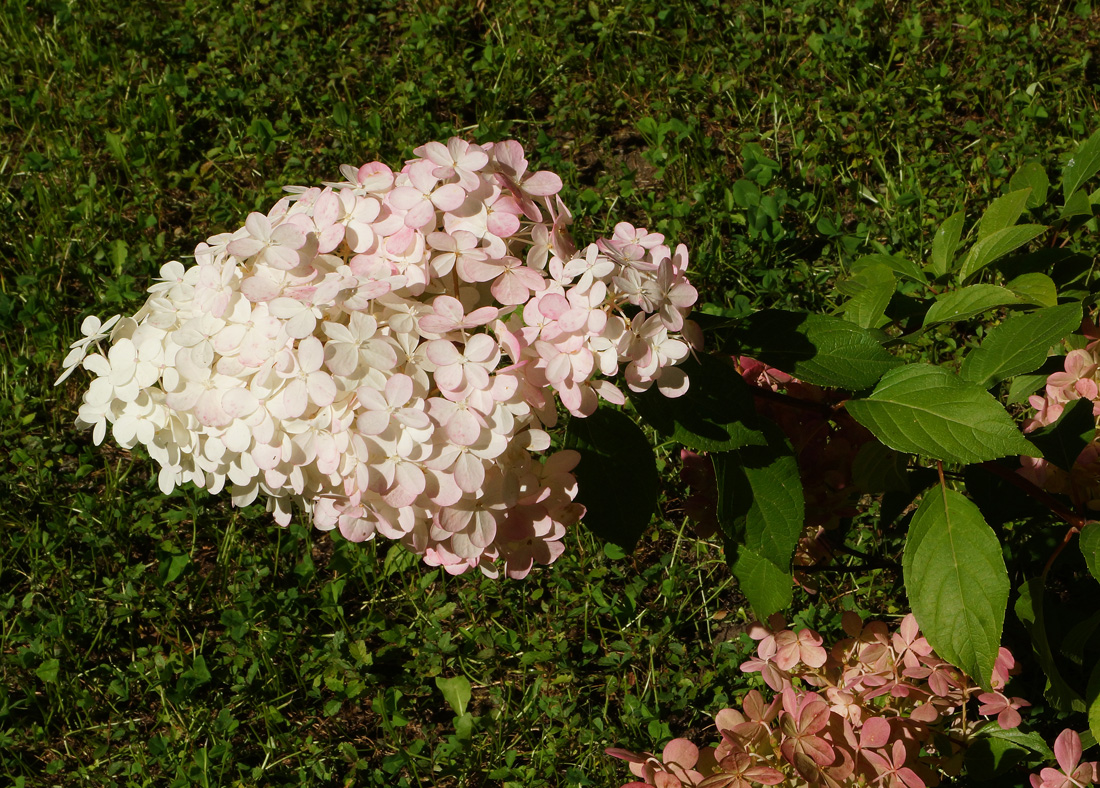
{"points": [[1037, 493]]}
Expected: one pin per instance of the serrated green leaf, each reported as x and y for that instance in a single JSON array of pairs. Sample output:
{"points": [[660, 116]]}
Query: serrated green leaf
{"points": [[899, 265], [876, 286], [956, 581], [456, 691], [1029, 610], [1019, 344], [615, 457], [945, 242], [1084, 163], [925, 409], [1064, 440], [1003, 212], [716, 414], [761, 514], [997, 245], [966, 302], [1035, 288], [992, 755], [1034, 176], [1027, 739], [1089, 542], [818, 349]]}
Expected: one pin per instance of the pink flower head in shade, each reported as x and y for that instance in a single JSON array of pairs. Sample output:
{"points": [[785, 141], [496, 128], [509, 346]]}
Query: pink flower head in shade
{"points": [[1071, 773], [1079, 380], [862, 712], [385, 353]]}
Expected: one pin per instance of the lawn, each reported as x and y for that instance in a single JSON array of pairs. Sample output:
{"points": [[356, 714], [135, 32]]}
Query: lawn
{"points": [[172, 640]]}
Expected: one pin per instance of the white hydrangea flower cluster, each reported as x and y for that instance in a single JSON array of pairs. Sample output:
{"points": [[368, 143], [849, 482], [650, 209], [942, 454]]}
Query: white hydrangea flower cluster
{"points": [[384, 352]]}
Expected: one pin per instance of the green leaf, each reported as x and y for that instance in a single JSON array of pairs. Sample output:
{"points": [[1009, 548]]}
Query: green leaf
{"points": [[1064, 440], [116, 146], [198, 673], [1089, 542], [47, 671], [173, 566], [945, 242], [716, 414], [1077, 205], [1029, 609], [997, 245], [1035, 288], [1077, 639], [1092, 701], [818, 349], [1032, 176], [761, 514], [994, 751], [615, 458], [925, 409], [456, 691], [956, 581], [875, 287], [1023, 386], [966, 302], [1003, 212], [1084, 163], [899, 265], [1019, 344], [879, 469], [746, 193], [464, 726]]}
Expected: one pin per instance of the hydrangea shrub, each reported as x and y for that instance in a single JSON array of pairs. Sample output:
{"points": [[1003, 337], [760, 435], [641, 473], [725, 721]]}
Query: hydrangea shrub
{"points": [[389, 354]]}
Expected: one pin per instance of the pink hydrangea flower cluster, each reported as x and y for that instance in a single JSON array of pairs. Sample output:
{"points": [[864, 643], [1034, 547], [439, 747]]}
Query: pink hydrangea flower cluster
{"points": [[387, 352], [1071, 771], [1080, 379], [878, 708]]}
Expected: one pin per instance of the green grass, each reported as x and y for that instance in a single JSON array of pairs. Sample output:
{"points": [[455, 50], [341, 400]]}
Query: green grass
{"points": [[147, 640]]}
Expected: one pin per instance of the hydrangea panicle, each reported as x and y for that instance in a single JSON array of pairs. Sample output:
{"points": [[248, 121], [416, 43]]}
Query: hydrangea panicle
{"points": [[387, 351]]}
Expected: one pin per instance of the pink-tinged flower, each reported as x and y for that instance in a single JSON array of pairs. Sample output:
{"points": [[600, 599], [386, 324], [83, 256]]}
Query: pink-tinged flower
{"points": [[741, 770], [93, 332], [751, 725], [908, 644], [512, 281], [276, 246], [804, 716], [1004, 707], [1004, 667], [1077, 379], [457, 247], [1073, 774], [447, 314], [457, 158], [511, 168], [424, 196], [372, 178], [804, 647], [892, 771], [626, 233]]}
